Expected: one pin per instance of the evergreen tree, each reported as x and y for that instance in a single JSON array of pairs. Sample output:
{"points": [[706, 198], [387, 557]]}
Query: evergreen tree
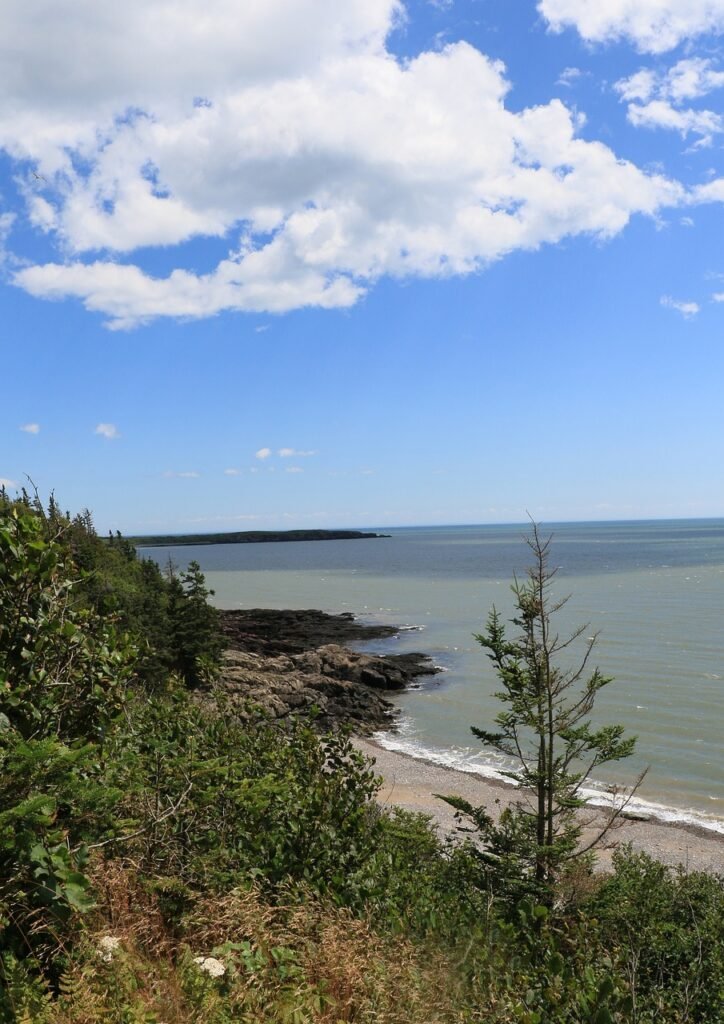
{"points": [[545, 731], [194, 623]]}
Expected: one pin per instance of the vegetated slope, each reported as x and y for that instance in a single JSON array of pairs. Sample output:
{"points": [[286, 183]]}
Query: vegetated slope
{"points": [[163, 860]]}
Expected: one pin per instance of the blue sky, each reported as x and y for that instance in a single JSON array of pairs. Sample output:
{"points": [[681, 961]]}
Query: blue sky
{"points": [[355, 264]]}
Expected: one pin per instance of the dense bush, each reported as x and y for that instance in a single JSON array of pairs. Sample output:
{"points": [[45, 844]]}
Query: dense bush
{"points": [[664, 930], [64, 674], [248, 800]]}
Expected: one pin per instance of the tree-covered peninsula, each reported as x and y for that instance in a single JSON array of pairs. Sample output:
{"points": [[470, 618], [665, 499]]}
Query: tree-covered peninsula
{"points": [[250, 537]]}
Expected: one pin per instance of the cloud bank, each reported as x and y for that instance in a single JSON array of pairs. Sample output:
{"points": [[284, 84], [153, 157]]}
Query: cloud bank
{"points": [[653, 26], [288, 132]]}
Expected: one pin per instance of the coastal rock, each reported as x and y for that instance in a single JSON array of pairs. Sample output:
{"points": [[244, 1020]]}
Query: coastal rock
{"points": [[381, 672], [294, 631], [281, 693], [286, 665]]}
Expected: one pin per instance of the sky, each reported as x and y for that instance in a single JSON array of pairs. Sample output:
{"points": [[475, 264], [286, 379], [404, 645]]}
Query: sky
{"points": [[300, 263]]}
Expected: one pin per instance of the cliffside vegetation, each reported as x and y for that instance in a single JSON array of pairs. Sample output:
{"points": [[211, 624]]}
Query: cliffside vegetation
{"points": [[161, 861]]}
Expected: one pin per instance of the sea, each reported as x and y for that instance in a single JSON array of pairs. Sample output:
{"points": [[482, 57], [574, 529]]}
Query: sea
{"points": [[652, 592]]}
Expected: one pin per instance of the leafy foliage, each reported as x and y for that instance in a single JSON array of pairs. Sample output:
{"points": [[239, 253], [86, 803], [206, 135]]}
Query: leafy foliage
{"points": [[64, 673], [665, 931]]}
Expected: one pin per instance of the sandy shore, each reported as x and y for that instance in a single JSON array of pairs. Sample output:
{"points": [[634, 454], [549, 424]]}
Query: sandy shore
{"points": [[412, 783]]}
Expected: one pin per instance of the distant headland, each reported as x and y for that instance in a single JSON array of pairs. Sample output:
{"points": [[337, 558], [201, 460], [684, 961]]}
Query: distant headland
{"points": [[250, 537]]}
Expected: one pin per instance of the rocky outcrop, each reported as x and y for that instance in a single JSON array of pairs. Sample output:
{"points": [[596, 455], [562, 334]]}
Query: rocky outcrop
{"points": [[292, 631], [281, 690], [282, 663], [381, 672]]}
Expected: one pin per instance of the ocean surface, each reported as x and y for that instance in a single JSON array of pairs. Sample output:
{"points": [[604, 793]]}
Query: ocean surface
{"points": [[654, 591]]}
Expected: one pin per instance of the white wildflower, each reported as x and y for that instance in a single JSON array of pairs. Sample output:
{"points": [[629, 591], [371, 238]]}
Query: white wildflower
{"points": [[210, 965], [108, 946]]}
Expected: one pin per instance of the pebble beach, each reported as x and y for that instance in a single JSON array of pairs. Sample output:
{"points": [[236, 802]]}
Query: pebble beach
{"points": [[412, 784]]}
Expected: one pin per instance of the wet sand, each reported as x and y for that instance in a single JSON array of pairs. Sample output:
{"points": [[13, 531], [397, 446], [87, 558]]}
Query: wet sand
{"points": [[411, 783]]}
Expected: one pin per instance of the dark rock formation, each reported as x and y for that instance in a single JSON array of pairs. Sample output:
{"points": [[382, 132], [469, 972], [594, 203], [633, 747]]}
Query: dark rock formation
{"points": [[271, 631], [291, 664], [281, 690]]}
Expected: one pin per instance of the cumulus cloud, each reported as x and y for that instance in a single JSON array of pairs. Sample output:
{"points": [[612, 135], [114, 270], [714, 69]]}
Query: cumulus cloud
{"points": [[718, 297], [658, 99], [687, 309], [31, 428], [290, 133], [232, 472], [294, 469], [107, 430], [653, 26], [8, 484], [186, 475], [288, 453], [263, 453]]}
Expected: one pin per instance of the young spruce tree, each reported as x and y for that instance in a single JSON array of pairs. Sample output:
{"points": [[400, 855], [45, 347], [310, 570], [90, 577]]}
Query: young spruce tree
{"points": [[546, 732]]}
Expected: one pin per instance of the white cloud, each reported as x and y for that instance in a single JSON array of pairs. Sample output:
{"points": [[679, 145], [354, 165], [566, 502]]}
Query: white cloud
{"points": [[187, 475], [653, 26], [31, 428], [288, 453], [711, 192], [294, 469], [107, 430], [8, 484], [323, 161], [656, 100], [718, 297], [641, 86], [568, 76], [7, 221], [687, 222], [263, 453], [687, 309], [660, 114], [232, 472], [691, 78]]}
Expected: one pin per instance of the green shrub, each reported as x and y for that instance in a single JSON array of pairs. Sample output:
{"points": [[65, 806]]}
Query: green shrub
{"points": [[64, 675], [664, 930]]}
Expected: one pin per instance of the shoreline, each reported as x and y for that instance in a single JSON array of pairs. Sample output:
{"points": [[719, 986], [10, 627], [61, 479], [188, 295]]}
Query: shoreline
{"points": [[412, 783], [289, 661]]}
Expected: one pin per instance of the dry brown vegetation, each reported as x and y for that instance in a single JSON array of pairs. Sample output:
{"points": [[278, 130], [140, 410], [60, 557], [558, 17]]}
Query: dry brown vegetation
{"points": [[297, 960]]}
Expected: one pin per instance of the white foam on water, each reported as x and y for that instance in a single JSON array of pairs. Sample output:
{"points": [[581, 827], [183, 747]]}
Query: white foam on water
{"points": [[466, 760]]}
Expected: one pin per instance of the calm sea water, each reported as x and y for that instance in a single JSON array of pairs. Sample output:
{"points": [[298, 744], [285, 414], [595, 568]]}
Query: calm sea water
{"points": [[654, 591]]}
